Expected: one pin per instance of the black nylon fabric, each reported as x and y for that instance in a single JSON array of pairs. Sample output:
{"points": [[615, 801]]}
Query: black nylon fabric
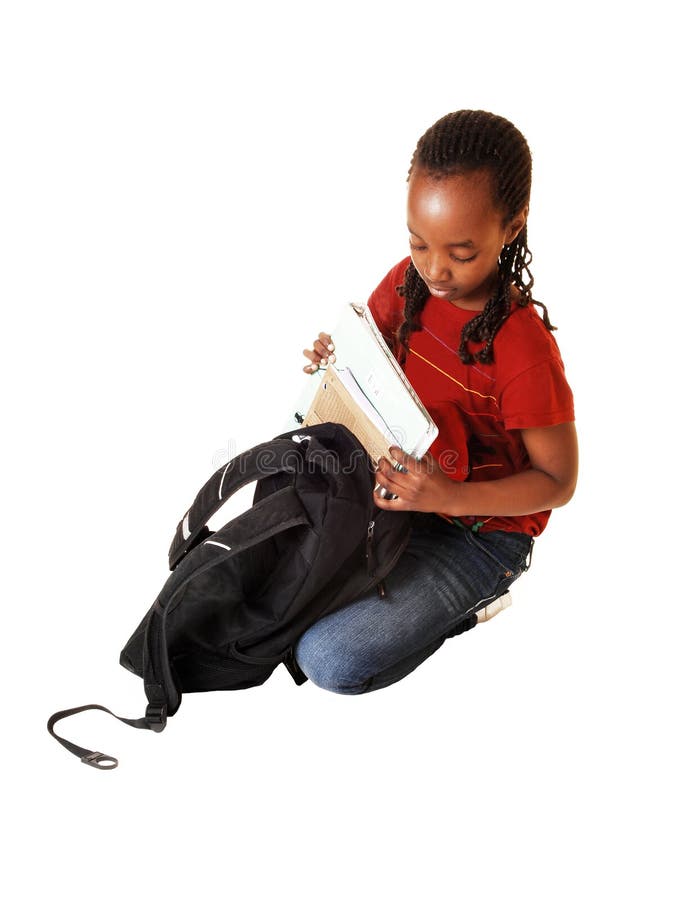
{"points": [[237, 600]]}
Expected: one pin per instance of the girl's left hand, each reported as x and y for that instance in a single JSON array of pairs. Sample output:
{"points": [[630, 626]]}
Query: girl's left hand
{"points": [[423, 488]]}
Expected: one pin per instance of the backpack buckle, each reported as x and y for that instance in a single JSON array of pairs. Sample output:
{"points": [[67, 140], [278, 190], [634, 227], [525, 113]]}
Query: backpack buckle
{"points": [[156, 716]]}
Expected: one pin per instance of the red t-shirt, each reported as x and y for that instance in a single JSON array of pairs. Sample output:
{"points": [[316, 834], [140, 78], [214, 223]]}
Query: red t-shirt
{"points": [[479, 408]]}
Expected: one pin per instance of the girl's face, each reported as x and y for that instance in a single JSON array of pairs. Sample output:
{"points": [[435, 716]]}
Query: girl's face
{"points": [[457, 234]]}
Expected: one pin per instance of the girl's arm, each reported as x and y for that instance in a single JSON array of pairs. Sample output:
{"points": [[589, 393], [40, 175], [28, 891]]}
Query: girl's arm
{"points": [[550, 482]]}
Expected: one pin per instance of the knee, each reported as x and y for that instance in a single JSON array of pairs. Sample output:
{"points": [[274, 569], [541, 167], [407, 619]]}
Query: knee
{"points": [[328, 664]]}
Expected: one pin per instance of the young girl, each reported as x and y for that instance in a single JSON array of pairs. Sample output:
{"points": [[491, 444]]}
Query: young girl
{"points": [[460, 317]]}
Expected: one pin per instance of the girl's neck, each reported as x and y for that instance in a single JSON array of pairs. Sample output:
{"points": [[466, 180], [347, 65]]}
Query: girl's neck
{"points": [[478, 305], [469, 305]]}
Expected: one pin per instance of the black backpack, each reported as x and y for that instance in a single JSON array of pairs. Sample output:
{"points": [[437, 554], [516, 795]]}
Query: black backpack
{"points": [[238, 599]]}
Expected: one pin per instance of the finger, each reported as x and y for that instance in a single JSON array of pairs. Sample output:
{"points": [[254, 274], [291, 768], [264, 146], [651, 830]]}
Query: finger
{"points": [[321, 353], [388, 476], [394, 505], [314, 364], [382, 486], [404, 459], [324, 348]]}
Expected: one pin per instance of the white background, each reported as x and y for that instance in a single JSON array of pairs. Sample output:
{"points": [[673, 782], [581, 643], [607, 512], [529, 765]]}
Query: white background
{"points": [[189, 193]]}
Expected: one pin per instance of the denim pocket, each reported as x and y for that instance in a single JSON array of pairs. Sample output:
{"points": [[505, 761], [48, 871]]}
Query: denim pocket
{"points": [[510, 551]]}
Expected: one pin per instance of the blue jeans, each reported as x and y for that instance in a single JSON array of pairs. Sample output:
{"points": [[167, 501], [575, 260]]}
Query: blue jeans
{"points": [[444, 576]]}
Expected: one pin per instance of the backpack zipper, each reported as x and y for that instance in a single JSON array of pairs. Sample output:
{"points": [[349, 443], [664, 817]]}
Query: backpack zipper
{"points": [[369, 552], [386, 568]]}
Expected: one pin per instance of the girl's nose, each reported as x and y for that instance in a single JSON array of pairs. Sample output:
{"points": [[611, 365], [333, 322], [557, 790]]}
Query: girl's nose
{"points": [[436, 268]]}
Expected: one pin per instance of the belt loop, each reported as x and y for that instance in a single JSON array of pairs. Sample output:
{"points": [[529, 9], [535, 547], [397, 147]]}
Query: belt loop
{"points": [[529, 555]]}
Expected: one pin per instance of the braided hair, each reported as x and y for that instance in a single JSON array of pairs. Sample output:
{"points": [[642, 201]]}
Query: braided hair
{"points": [[460, 143]]}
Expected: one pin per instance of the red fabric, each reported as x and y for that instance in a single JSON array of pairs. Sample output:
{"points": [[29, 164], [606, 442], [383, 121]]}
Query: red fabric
{"points": [[479, 409]]}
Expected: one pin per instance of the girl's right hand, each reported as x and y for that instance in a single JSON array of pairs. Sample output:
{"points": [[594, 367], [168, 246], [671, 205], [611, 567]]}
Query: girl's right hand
{"points": [[321, 354]]}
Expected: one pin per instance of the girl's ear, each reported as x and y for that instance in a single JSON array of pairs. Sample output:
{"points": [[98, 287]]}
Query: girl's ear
{"points": [[516, 225]]}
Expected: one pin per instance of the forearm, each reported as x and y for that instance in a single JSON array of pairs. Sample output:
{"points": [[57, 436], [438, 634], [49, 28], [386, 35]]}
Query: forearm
{"points": [[548, 483], [517, 495]]}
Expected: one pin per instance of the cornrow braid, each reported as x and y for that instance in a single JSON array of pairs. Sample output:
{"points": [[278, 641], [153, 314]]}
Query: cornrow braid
{"points": [[460, 143]]}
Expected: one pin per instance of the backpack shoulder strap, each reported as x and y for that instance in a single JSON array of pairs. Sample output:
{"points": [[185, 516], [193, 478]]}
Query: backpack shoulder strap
{"points": [[268, 458]]}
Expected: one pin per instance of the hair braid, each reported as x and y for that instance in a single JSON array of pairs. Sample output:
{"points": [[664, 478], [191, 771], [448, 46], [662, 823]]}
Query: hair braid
{"points": [[460, 143], [416, 294]]}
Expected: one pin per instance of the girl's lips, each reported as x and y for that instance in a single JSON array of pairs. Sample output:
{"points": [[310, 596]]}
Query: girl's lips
{"points": [[440, 291]]}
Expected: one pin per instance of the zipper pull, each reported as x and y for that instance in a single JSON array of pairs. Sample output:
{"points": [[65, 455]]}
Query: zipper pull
{"points": [[369, 547]]}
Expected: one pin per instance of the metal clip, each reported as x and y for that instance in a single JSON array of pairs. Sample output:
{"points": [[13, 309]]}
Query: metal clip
{"points": [[96, 759]]}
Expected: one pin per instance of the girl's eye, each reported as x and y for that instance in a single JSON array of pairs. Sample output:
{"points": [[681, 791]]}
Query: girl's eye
{"points": [[420, 248]]}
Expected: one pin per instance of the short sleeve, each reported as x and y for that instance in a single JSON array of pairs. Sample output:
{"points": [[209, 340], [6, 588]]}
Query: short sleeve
{"points": [[386, 305], [537, 397]]}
